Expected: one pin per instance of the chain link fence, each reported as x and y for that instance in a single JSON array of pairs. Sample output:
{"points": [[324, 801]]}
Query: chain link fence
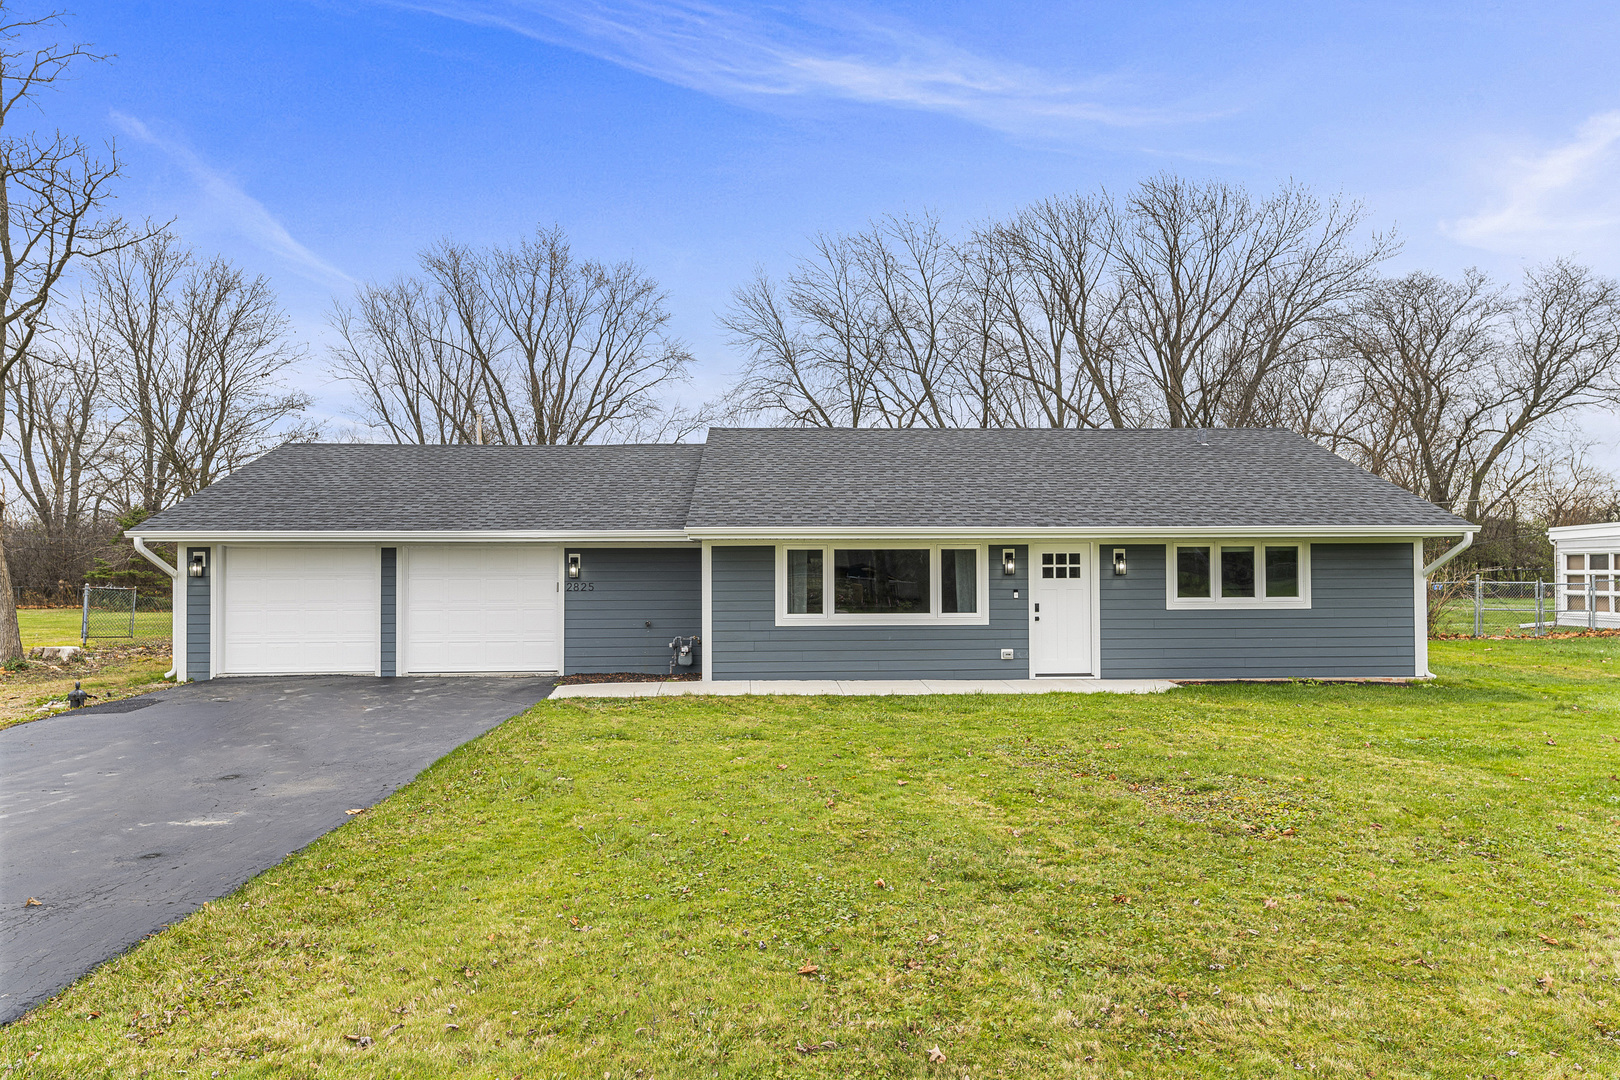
{"points": [[1478, 606], [127, 616]]}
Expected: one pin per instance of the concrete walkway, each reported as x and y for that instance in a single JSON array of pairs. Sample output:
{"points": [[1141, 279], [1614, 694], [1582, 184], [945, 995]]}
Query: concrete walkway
{"points": [[859, 687]]}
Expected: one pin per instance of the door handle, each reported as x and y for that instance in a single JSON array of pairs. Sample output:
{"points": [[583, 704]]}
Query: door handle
{"points": [[1037, 608]]}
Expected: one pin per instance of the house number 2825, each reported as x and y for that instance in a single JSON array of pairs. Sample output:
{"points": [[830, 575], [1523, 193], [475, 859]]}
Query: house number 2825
{"points": [[581, 586]]}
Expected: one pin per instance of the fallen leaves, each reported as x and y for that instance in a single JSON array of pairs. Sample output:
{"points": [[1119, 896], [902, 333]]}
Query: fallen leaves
{"points": [[902, 783], [362, 1041], [1121, 898], [357, 810], [1544, 981], [879, 884], [936, 1056], [1270, 903], [817, 1048], [31, 902], [1545, 940], [809, 969]]}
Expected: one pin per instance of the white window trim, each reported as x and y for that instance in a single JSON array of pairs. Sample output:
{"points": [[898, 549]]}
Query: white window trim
{"points": [[1184, 603], [935, 617]]}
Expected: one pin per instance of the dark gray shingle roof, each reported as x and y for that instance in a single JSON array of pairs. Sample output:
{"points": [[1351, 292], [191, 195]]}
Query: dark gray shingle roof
{"points": [[762, 478], [316, 486], [1041, 478]]}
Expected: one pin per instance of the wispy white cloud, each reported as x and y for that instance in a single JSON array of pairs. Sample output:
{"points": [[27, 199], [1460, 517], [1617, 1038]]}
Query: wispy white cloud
{"points": [[1554, 200], [769, 54], [241, 212]]}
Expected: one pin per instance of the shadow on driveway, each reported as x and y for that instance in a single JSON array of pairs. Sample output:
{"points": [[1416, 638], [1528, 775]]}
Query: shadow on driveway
{"points": [[122, 824]]}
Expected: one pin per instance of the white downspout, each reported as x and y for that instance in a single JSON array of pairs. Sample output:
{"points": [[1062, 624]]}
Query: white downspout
{"points": [[151, 557], [1456, 550]]}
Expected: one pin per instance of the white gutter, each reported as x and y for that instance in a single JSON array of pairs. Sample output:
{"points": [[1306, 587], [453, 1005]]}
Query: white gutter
{"points": [[1122, 535], [665, 537], [1452, 553], [151, 557]]}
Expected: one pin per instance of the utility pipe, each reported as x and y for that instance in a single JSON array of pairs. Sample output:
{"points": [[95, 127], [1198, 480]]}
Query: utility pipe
{"points": [[151, 557], [1452, 553]]}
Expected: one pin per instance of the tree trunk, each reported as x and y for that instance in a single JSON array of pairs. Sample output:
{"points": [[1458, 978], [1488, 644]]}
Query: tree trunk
{"points": [[10, 634]]}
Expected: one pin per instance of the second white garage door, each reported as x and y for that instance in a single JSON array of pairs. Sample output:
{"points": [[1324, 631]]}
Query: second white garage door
{"points": [[479, 607]]}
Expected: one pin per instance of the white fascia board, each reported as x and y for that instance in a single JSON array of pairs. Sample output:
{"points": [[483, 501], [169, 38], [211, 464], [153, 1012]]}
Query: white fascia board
{"points": [[1609, 530], [659, 537], [1152, 535]]}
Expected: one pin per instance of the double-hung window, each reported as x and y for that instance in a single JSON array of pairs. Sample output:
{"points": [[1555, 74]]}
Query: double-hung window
{"points": [[876, 586], [1589, 576], [1247, 573]]}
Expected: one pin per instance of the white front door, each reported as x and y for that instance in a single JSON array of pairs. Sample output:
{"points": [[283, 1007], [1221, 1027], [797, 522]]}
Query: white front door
{"points": [[1060, 611], [300, 609], [480, 607]]}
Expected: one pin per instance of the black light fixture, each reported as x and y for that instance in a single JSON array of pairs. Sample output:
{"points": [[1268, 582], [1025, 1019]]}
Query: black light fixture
{"points": [[1009, 563], [1119, 562], [573, 564], [199, 564]]}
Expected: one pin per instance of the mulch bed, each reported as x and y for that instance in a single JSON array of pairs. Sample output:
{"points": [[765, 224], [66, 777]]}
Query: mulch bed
{"points": [[626, 676], [1527, 636]]}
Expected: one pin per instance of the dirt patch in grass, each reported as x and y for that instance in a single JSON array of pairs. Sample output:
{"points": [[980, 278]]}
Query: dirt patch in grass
{"points": [[40, 688]]}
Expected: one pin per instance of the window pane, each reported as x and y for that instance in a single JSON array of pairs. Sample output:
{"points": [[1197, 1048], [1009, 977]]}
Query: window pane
{"points": [[868, 581], [1282, 571], [1577, 562], [804, 583], [1599, 562], [1237, 571], [959, 581], [1192, 571]]}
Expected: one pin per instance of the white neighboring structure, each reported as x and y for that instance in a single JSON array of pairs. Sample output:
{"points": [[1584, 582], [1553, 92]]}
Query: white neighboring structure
{"points": [[1586, 560]]}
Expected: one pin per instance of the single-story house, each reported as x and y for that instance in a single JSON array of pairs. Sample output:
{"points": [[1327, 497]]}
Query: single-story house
{"points": [[810, 554], [1586, 590]]}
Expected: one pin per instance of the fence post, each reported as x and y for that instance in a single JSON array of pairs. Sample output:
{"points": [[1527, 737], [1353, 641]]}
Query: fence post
{"points": [[1591, 602], [1541, 607], [84, 619], [133, 593], [1479, 605]]}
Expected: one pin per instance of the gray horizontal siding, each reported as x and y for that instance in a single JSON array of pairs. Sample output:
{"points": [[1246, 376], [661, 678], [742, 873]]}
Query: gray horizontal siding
{"points": [[607, 628], [1360, 623], [746, 643], [198, 614], [390, 611]]}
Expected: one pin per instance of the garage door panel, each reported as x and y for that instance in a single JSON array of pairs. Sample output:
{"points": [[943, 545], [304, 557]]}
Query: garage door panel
{"points": [[301, 609], [481, 607]]}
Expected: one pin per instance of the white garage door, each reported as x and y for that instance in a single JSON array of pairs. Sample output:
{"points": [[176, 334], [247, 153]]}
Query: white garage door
{"points": [[301, 609], [480, 607]]}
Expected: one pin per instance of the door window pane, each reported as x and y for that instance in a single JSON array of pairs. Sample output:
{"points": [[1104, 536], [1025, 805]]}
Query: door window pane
{"points": [[959, 581], [804, 578], [1192, 571], [1577, 562], [886, 581], [1282, 571], [1599, 562], [1237, 571]]}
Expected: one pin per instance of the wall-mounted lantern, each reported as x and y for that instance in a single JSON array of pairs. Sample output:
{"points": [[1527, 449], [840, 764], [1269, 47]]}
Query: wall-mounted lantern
{"points": [[1009, 563], [573, 564], [199, 564], [1119, 562]]}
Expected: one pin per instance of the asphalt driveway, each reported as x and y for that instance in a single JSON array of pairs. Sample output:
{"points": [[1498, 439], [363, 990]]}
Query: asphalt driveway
{"points": [[123, 820]]}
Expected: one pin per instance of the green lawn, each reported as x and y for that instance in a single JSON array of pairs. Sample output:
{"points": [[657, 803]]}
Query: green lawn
{"points": [[1233, 880], [62, 626]]}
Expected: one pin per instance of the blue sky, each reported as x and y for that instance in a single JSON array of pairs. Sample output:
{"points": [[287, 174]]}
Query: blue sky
{"points": [[323, 142]]}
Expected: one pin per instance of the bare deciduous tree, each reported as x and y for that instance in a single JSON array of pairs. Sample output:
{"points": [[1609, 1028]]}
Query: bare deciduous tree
{"points": [[198, 355], [52, 190], [528, 343], [1456, 380], [59, 428]]}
